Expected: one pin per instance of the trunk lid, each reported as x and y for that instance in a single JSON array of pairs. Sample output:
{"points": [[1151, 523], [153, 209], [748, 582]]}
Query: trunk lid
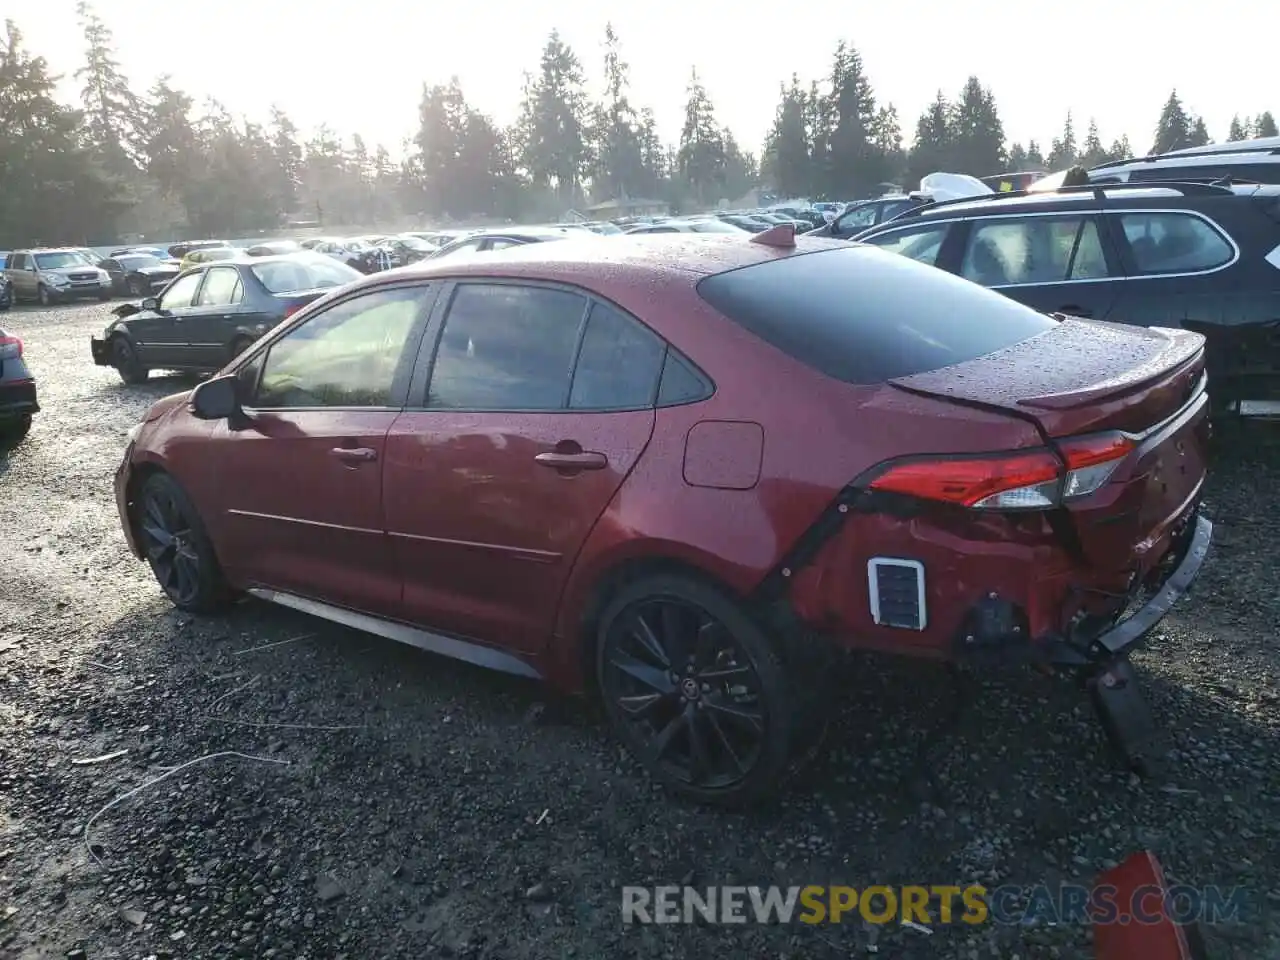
{"points": [[297, 299], [1082, 376], [1086, 377]]}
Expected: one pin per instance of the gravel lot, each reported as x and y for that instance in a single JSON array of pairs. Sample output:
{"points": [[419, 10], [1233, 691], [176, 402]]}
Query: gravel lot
{"points": [[414, 807]]}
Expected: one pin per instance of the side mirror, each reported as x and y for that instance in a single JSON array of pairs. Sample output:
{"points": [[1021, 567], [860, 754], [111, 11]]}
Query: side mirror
{"points": [[216, 399], [151, 303]]}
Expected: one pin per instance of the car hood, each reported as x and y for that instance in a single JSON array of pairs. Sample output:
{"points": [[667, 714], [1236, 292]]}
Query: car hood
{"points": [[77, 268], [157, 269]]}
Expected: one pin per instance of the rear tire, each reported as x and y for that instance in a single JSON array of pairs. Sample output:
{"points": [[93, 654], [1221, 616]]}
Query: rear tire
{"points": [[104, 296], [178, 548], [125, 359], [14, 432], [695, 690]]}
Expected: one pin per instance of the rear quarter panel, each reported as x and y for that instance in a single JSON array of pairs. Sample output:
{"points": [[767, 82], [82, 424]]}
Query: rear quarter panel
{"points": [[819, 435]]}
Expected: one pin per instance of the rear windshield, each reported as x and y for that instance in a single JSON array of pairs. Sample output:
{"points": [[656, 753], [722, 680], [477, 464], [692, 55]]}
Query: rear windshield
{"points": [[303, 273], [863, 315]]}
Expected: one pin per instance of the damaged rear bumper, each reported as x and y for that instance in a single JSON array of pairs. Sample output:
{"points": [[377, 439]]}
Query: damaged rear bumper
{"points": [[1121, 638]]}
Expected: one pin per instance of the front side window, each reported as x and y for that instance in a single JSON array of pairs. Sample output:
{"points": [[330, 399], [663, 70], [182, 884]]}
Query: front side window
{"points": [[506, 347], [1162, 243], [221, 288], [1033, 250], [921, 243], [346, 356], [181, 292]]}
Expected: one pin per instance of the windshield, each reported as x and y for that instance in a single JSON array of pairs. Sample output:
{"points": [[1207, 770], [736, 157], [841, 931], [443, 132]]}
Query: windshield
{"points": [[303, 273], [55, 261], [133, 262], [714, 226]]}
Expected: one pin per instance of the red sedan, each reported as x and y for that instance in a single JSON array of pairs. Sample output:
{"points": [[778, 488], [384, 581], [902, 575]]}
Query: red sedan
{"points": [[682, 472]]}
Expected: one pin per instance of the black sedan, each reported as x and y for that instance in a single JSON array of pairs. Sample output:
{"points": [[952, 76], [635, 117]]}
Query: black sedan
{"points": [[212, 312], [502, 239], [139, 274], [6, 293], [17, 391]]}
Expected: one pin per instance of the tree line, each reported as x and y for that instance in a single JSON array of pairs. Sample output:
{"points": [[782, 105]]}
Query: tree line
{"points": [[123, 162]]}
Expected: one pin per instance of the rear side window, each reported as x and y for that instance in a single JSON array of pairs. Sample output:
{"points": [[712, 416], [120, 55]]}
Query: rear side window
{"points": [[863, 316], [1033, 250], [920, 243], [1162, 243], [619, 364]]}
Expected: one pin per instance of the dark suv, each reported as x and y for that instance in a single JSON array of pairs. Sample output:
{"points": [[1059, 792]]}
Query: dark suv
{"points": [[1200, 256], [1243, 161]]}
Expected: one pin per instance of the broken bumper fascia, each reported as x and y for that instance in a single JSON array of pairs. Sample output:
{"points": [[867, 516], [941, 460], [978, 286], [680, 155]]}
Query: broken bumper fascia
{"points": [[1127, 635]]}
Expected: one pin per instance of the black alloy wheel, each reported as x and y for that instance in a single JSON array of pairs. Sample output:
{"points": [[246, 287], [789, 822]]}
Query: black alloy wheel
{"points": [[136, 287], [177, 548], [694, 689]]}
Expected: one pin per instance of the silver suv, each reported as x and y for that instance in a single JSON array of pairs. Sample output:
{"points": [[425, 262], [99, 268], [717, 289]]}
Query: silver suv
{"points": [[53, 275]]}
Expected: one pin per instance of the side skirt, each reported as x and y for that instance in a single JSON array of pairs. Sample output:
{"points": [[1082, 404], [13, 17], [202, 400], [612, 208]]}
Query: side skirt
{"points": [[440, 643]]}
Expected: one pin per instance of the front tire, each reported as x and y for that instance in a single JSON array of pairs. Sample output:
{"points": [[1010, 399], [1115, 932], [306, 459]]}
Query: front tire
{"points": [[136, 288], [695, 690], [124, 357], [14, 432], [178, 548], [44, 296]]}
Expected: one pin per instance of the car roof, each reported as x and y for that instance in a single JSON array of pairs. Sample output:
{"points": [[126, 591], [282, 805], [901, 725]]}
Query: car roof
{"points": [[627, 258], [1090, 196]]}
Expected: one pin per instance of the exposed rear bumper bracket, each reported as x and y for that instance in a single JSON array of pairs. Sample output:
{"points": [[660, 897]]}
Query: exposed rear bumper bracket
{"points": [[1129, 634]]}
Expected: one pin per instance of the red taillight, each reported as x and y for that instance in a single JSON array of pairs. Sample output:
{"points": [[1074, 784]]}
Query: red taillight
{"points": [[973, 482], [291, 309], [1020, 480], [10, 348], [1091, 461]]}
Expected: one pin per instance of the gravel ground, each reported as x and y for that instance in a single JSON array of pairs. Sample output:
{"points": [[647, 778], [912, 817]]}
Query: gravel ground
{"points": [[407, 806]]}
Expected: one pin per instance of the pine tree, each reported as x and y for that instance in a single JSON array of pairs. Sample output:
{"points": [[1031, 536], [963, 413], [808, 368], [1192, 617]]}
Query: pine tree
{"points": [[1174, 127], [1265, 125]]}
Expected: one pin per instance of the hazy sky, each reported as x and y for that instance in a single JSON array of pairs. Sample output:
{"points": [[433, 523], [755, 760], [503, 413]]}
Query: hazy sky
{"points": [[360, 66]]}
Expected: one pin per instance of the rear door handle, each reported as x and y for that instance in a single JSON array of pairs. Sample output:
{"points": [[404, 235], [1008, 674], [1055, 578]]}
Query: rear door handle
{"points": [[1075, 311], [573, 461], [355, 454]]}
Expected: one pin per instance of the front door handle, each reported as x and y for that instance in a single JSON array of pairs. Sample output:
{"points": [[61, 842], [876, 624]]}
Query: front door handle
{"points": [[587, 460], [355, 454], [1075, 311]]}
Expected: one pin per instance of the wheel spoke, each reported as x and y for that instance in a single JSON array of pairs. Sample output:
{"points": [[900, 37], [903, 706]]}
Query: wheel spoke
{"points": [[675, 635], [749, 720], [185, 566], [663, 742], [160, 536], [655, 678], [641, 704], [725, 743], [643, 633], [699, 755]]}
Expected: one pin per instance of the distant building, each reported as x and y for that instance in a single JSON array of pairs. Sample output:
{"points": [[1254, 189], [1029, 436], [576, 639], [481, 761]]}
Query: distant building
{"points": [[629, 207]]}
